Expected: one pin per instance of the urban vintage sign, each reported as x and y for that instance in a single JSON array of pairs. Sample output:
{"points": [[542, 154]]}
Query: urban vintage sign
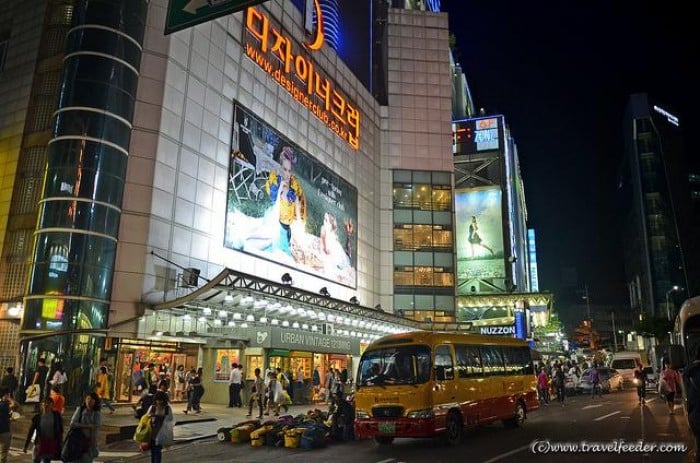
{"points": [[281, 338]]}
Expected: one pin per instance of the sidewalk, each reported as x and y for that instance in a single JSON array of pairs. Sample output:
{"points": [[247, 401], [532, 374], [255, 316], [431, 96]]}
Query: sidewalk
{"points": [[188, 427]]}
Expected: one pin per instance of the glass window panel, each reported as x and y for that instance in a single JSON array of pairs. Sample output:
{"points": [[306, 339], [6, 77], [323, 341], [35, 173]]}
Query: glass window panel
{"points": [[443, 360], [423, 236], [403, 196], [403, 301], [421, 177], [443, 279], [492, 360], [403, 237], [424, 302], [422, 217], [403, 258], [403, 277], [423, 276], [468, 361], [446, 303], [442, 199], [402, 216], [443, 259], [402, 176], [423, 258], [442, 178], [442, 239], [422, 196], [442, 218]]}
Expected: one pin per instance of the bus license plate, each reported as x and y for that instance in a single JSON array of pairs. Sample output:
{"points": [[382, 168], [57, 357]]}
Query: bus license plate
{"points": [[387, 428]]}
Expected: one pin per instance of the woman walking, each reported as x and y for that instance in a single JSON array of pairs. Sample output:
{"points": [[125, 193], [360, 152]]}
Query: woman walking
{"points": [[88, 419], [48, 426], [162, 423], [672, 379]]}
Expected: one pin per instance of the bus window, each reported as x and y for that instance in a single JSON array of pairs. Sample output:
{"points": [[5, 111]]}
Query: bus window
{"points": [[493, 360], [468, 361], [443, 363], [395, 365]]}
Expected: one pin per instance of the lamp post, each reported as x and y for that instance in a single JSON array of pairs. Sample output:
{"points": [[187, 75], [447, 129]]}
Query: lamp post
{"points": [[674, 288], [588, 311]]}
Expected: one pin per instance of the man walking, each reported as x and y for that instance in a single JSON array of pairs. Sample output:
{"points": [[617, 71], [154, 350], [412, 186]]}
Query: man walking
{"points": [[7, 405], [234, 387]]}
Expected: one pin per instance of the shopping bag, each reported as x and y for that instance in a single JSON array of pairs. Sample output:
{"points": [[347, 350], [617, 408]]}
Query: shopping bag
{"points": [[33, 394], [74, 445], [143, 430]]}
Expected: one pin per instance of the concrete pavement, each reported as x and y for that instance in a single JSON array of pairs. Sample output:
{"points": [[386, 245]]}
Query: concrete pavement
{"points": [[188, 427]]}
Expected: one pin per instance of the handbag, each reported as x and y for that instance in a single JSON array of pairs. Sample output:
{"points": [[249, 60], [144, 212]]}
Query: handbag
{"points": [[33, 394], [74, 445], [143, 430]]}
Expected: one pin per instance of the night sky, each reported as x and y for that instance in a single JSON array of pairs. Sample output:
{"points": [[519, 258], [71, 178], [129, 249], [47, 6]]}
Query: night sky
{"points": [[561, 73]]}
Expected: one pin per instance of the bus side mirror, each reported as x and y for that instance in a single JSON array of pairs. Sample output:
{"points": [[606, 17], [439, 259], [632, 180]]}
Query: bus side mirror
{"points": [[440, 373], [676, 356]]}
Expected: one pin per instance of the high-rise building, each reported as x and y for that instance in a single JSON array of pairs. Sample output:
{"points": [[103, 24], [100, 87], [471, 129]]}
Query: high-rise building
{"points": [[180, 199], [654, 201]]}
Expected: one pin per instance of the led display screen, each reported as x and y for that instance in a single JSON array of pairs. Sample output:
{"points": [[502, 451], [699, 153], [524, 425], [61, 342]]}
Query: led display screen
{"points": [[470, 136], [479, 240], [285, 206]]}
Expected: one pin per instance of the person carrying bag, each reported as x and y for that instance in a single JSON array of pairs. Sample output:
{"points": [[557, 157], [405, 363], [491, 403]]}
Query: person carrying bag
{"points": [[80, 445], [162, 422], [48, 426]]}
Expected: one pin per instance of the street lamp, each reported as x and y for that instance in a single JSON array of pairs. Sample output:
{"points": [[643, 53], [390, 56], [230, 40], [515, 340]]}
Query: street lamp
{"points": [[674, 288]]}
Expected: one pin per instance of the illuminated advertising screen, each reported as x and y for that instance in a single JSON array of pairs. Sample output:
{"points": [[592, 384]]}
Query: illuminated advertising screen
{"points": [[470, 136], [479, 230], [285, 206]]}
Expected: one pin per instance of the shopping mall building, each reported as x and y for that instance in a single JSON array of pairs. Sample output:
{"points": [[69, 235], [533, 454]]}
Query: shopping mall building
{"points": [[247, 190]]}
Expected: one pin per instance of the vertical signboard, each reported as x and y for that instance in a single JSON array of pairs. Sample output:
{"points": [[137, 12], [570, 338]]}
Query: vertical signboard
{"points": [[479, 240]]}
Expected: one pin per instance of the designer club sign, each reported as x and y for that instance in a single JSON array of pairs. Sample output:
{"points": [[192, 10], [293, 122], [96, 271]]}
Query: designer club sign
{"points": [[283, 59]]}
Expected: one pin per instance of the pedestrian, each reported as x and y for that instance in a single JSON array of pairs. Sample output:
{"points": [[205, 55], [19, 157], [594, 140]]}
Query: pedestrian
{"points": [[542, 385], [234, 387], [59, 401], [180, 382], [48, 426], [88, 419], [102, 389], [162, 422], [257, 390], [39, 378], [595, 382], [59, 377], [691, 376], [640, 383], [672, 380], [274, 395], [7, 406], [559, 382], [9, 381]]}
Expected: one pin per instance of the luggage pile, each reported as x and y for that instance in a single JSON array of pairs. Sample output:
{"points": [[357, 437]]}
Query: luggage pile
{"points": [[307, 431]]}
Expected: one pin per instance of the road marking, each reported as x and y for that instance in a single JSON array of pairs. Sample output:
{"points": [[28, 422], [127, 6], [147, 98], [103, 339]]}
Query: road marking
{"points": [[591, 406], [507, 454], [388, 460], [607, 416]]}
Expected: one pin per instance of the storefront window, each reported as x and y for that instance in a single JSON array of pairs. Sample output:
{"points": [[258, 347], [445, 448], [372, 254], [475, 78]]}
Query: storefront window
{"points": [[253, 362], [224, 359]]}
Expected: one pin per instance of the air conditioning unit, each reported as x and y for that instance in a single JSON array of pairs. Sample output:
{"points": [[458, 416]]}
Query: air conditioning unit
{"points": [[190, 277], [328, 328]]}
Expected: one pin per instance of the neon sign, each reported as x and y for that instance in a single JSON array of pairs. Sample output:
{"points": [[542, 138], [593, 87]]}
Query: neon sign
{"points": [[272, 51]]}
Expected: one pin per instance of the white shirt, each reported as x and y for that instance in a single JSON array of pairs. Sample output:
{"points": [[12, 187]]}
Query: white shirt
{"points": [[235, 376]]}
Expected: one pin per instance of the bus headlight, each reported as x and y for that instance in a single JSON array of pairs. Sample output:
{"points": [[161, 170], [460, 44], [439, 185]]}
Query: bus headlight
{"points": [[360, 415], [425, 414]]}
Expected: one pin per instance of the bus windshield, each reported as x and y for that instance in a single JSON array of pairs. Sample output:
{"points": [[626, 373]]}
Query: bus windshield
{"points": [[395, 365]]}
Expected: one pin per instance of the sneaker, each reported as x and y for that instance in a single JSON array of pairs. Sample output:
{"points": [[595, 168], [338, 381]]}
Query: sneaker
{"points": [[260, 417], [185, 412], [248, 415]]}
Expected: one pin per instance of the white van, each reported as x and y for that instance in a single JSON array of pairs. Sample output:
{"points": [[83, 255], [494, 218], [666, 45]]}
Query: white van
{"points": [[625, 363]]}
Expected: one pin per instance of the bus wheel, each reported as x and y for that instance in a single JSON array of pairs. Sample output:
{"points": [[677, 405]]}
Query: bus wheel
{"points": [[382, 440], [518, 417], [454, 427]]}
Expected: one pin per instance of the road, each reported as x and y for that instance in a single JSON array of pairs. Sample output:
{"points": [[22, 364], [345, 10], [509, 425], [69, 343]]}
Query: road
{"points": [[615, 417]]}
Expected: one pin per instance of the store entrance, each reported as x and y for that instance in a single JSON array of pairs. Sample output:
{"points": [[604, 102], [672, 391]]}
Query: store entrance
{"points": [[134, 358]]}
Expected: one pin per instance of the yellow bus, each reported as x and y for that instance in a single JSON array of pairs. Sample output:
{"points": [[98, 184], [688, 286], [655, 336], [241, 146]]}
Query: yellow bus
{"points": [[432, 384]]}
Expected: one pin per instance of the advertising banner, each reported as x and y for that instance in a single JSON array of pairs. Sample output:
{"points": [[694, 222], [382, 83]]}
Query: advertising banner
{"points": [[479, 230], [285, 206], [299, 340]]}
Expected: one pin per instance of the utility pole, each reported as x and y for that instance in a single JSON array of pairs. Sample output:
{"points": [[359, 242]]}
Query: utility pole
{"points": [[612, 315], [590, 320]]}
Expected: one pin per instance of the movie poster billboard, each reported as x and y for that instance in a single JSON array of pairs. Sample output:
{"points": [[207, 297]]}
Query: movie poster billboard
{"points": [[285, 206], [479, 230]]}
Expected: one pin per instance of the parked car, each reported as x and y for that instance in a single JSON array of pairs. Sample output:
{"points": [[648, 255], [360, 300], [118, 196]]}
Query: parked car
{"points": [[651, 379], [609, 380]]}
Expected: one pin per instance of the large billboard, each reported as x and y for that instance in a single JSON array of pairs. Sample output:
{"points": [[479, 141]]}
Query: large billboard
{"points": [[471, 136], [285, 206], [479, 230]]}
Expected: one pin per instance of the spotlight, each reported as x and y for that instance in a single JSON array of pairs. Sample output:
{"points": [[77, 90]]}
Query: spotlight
{"points": [[228, 297], [287, 279], [324, 292], [378, 307], [354, 300]]}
